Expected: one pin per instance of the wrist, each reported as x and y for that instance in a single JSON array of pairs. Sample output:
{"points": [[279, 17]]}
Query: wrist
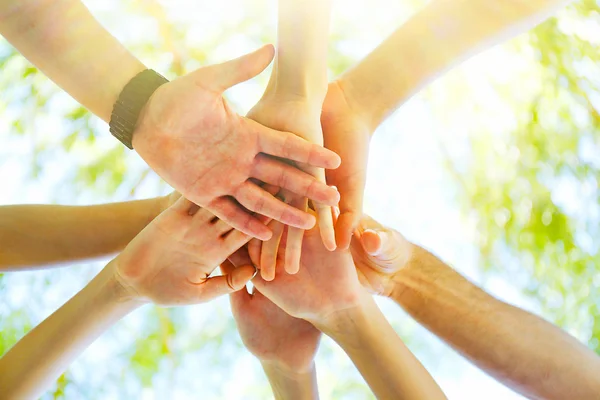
{"points": [[292, 385], [281, 369], [303, 88], [117, 285], [344, 322], [363, 109]]}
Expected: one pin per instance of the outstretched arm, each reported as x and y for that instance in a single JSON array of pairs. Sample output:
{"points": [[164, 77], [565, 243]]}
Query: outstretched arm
{"points": [[286, 346], [293, 101], [326, 292], [168, 263], [447, 32], [382, 358], [160, 119], [69, 45], [36, 236], [439, 36], [521, 350]]}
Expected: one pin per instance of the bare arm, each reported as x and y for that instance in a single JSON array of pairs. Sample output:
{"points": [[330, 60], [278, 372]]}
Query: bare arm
{"points": [[70, 46], [43, 354], [388, 366], [442, 34], [292, 386], [35, 236], [293, 101], [143, 272], [521, 350]]}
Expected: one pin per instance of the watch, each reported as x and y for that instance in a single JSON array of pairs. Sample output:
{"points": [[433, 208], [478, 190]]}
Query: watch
{"points": [[132, 99]]}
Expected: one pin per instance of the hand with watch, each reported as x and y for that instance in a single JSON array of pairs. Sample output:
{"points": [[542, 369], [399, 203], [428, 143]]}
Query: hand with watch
{"points": [[189, 135]]}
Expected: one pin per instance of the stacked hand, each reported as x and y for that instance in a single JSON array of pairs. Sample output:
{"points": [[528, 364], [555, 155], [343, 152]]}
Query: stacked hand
{"points": [[302, 117], [170, 261], [190, 136], [343, 130]]}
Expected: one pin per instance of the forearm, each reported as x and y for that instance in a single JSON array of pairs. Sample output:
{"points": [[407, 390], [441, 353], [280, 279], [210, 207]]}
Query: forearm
{"points": [[290, 385], [387, 365], [63, 40], [442, 34], [300, 67], [44, 353], [519, 349], [34, 236]]}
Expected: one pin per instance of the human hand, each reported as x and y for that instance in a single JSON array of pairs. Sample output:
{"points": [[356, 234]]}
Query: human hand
{"points": [[326, 283], [301, 116], [274, 337], [170, 261], [189, 135], [348, 134], [379, 253]]}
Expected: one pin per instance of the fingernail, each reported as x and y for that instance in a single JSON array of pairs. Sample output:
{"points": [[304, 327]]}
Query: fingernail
{"points": [[255, 272], [384, 238]]}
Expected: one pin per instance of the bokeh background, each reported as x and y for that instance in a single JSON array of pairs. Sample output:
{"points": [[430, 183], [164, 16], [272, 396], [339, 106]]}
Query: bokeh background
{"points": [[494, 167]]}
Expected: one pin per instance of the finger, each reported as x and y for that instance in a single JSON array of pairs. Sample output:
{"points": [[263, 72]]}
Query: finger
{"points": [[254, 251], [325, 219], [293, 250], [351, 205], [268, 254], [230, 212], [217, 286], [371, 242], [345, 226], [239, 298], [293, 245], [240, 257], [292, 147], [256, 199], [220, 77], [182, 205], [285, 176], [220, 227]]}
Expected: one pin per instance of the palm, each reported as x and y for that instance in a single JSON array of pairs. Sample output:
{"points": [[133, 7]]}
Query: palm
{"points": [[272, 335], [346, 134], [170, 260], [327, 282], [188, 134], [303, 119]]}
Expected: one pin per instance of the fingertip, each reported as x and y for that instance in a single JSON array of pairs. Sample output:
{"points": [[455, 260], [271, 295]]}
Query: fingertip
{"points": [[344, 229], [267, 275], [334, 160], [264, 234], [371, 241], [241, 276], [309, 222], [268, 48]]}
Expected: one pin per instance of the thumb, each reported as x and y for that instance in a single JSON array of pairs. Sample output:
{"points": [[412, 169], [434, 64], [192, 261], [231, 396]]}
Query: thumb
{"points": [[225, 284], [377, 243], [220, 77]]}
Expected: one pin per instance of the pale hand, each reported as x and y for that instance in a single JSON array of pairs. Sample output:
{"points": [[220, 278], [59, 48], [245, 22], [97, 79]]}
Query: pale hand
{"points": [[326, 283], [273, 336], [300, 116], [346, 133], [169, 262], [190, 136], [379, 253]]}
